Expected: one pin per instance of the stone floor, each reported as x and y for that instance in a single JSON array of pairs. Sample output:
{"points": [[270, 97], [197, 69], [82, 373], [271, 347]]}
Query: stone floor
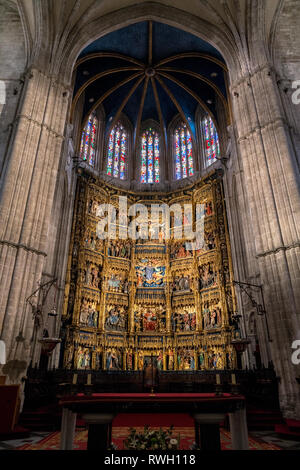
{"points": [[32, 439], [267, 436], [273, 438]]}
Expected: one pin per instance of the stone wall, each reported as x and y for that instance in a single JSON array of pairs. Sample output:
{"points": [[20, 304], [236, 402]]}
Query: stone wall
{"points": [[13, 61]]}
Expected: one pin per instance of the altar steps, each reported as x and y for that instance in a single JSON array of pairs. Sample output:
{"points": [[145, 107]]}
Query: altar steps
{"points": [[289, 430], [39, 421], [19, 432], [47, 418], [263, 420]]}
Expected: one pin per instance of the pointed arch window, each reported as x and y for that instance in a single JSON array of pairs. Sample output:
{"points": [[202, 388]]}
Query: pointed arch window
{"points": [[150, 156], [211, 140], [88, 140], [184, 163], [117, 152]]}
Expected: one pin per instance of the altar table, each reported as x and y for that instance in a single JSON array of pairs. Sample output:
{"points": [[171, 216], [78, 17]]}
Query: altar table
{"points": [[207, 409]]}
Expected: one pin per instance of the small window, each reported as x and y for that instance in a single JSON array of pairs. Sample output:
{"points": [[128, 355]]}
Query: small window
{"points": [[117, 152], [211, 139], [150, 156], [184, 164], [88, 141]]}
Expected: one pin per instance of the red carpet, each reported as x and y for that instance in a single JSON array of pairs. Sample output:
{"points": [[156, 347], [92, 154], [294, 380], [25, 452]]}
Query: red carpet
{"points": [[157, 419], [183, 428]]}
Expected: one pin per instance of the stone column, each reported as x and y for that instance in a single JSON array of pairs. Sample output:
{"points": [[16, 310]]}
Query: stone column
{"points": [[67, 433], [27, 191], [239, 430], [99, 434], [207, 430], [271, 181]]}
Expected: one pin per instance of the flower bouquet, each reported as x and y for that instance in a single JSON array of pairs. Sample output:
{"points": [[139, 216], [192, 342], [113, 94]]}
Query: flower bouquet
{"points": [[151, 439]]}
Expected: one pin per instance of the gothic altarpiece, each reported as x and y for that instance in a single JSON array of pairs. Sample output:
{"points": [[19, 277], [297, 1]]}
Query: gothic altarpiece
{"points": [[127, 301]]}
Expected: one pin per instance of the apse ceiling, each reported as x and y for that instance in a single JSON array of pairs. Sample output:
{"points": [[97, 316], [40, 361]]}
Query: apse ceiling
{"points": [[150, 70]]}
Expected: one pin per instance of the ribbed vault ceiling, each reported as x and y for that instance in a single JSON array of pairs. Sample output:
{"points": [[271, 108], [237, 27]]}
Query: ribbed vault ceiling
{"points": [[150, 70]]}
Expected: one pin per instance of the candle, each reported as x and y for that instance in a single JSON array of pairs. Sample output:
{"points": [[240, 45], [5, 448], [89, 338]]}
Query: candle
{"points": [[233, 379], [74, 379], [218, 379], [89, 379]]}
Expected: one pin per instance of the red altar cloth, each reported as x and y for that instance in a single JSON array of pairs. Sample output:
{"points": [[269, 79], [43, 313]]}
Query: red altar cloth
{"points": [[144, 397]]}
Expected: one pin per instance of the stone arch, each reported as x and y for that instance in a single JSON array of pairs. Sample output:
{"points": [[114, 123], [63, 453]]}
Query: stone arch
{"points": [[110, 22]]}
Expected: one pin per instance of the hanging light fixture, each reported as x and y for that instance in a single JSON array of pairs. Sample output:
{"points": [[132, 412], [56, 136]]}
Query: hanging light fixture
{"points": [[48, 343]]}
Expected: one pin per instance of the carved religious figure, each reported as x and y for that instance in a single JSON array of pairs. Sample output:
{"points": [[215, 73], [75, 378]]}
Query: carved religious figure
{"points": [[84, 312], [149, 320], [92, 316], [170, 360], [83, 358], [114, 283], [208, 208], [91, 275], [179, 250], [116, 318], [207, 276], [201, 363], [212, 314], [113, 360], [181, 283], [160, 360], [129, 360], [149, 274], [184, 321], [88, 314], [140, 360]]}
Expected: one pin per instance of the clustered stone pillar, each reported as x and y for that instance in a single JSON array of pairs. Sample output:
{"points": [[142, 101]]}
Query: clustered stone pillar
{"points": [[29, 179], [271, 179]]}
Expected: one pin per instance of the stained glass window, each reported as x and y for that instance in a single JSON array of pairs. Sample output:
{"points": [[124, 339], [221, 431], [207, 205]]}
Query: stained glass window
{"points": [[117, 152], [88, 140], [150, 150], [211, 139], [184, 164]]}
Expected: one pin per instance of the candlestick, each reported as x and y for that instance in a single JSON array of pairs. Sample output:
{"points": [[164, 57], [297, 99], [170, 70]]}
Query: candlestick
{"points": [[89, 379], [218, 379], [233, 379]]}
